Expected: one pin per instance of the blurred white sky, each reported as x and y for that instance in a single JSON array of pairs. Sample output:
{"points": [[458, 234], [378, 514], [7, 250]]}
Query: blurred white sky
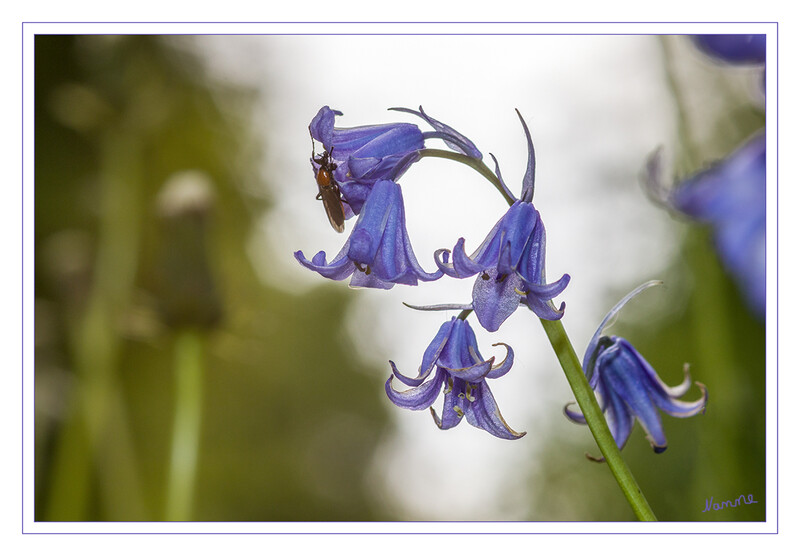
{"points": [[596, 106]]}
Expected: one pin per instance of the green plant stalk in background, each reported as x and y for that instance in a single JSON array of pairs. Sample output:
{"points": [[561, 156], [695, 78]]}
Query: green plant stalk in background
{"points": [[96, 435], [189, 352]]}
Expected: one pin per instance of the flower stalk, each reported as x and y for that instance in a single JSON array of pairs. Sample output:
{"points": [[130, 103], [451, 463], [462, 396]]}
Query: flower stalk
{"points": [[475, 164], [594, 418], [571, 365], [185, 425]]}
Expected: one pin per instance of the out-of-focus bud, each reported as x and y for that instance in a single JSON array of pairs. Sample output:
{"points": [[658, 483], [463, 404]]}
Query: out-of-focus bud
{"points": [[187, 293]]}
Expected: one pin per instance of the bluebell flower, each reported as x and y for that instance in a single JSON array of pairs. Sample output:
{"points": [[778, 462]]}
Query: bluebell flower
{"points": [[630, 389], [734, 49], [730, 196], [364, 155], [462, 372], [510, 262], [378, 253]]}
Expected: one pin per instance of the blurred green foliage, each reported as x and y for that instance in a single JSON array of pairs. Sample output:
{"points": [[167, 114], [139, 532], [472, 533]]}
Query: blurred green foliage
{"points": [[290, 416]]}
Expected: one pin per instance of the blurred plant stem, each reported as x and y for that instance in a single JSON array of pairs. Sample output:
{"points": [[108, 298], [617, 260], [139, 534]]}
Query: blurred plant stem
{"points": [[711, 316], [189, 354], [594, 418], [95, 436], [689, 150]]}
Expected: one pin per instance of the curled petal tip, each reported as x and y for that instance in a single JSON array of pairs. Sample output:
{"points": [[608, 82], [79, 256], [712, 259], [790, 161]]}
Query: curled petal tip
{"points": [[441, 257], [505, 365], [574, 416], [415, 398], [438, 420], [435, 417]]}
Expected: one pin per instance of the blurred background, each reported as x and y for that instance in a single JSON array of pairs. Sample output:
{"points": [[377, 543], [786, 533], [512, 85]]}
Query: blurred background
{"points": [[173, 185]]}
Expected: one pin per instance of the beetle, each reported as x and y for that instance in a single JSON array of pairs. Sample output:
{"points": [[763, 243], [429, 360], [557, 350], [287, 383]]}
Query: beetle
{"points": [[329, 190]]}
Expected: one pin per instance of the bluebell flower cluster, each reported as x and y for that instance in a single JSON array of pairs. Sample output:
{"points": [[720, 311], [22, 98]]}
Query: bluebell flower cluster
{"points": [[629, 388], [363, 167], [365, 164]]}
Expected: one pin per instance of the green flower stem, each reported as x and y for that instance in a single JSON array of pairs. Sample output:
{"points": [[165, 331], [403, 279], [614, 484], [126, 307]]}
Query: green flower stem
{"points": [[594, 418], [472, 163], [572, 369], [186, 424]]}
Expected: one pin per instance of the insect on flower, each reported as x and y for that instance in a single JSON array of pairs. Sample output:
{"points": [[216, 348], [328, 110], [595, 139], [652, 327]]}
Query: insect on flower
{"points": [[329, 190]]}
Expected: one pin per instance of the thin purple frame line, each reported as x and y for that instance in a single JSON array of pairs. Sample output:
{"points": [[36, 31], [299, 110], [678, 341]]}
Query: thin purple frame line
{"points": [[621, 34], [22, 276], [777, 294], [459, 533], [401, 22], [392, 34], [23, 279], [377, 34]]}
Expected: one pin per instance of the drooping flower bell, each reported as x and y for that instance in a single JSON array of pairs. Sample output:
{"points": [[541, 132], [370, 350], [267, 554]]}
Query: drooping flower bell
{"points": [[510, 262], [734, 49], [378, 253], [629, 388], [731, 197], [462, 372], [363, 155]]}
